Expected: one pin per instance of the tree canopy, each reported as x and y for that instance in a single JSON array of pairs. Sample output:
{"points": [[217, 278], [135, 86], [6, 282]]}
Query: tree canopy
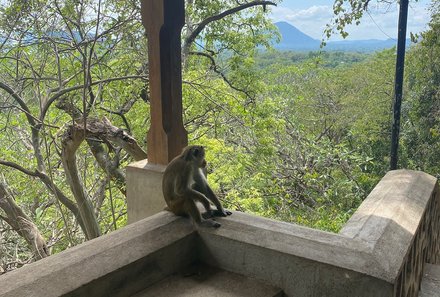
{"points": [[297, 137]]}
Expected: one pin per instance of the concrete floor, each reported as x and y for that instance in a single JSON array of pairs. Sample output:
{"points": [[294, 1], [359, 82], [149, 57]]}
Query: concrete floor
{"points": [[204, 281]]}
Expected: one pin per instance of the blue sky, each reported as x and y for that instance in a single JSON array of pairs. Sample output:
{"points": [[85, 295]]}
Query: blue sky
{"points": [[381, 23]]}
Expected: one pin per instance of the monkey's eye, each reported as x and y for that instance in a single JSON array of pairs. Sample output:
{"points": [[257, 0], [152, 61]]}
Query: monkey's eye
{"points": [[196, 152]]}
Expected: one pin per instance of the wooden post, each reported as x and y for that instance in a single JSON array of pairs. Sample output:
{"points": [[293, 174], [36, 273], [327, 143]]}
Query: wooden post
{"points": [[163, 20]]}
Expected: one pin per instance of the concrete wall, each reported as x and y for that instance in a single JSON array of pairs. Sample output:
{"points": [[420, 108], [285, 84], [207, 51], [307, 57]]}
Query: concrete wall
{"points": [[383, 247], [301, 261], [400, 222], [380, 252], [144, 190], [118, 264]]}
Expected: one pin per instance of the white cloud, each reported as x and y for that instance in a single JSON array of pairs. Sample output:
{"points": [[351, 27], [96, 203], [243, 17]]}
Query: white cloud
{"points": [[380, 23], [310, 21]]}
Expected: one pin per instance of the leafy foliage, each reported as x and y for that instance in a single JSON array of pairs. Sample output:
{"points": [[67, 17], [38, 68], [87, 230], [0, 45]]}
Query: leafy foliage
{"points": [[350, 12], [305, 150], [299, 137], [420, 137]]}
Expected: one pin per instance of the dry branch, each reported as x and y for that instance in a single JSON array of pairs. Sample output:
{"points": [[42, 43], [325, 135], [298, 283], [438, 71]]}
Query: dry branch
{"points": [[104, 130], [192, 37], [47, 181], [94, 131], [22, 224]]}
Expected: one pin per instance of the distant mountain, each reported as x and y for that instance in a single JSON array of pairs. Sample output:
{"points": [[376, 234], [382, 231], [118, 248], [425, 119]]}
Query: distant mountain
{"points": [[294, 39], [368, 45]]}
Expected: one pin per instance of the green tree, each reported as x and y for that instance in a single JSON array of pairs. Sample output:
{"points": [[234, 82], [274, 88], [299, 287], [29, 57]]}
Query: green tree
{"points": [[74, 100], [311, 145], [349, 12], [421, 109]]}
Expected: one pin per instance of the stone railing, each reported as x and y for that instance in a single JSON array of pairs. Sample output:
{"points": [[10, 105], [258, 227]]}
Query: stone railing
{"points": [[380, 252], [425, 248], [400, 221]]}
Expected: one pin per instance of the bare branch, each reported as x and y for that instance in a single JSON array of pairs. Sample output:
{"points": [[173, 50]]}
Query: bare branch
{"points": [[104, 130], [190, 39], [79, 87], [47, 181], [214, 67], [20, 102], [102, 157], [111, 167], [35, 127], [71, 140], [18, 167], [22, 224]]}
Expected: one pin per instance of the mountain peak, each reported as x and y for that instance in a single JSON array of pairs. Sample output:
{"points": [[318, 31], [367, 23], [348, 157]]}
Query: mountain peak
{"points": [[293, 37]]}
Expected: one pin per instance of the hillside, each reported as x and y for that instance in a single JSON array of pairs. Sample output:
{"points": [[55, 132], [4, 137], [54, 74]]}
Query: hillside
{"points": [[293, 39]]}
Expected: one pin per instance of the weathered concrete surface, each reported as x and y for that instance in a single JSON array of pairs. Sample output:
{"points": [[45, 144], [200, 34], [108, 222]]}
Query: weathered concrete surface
{"points": [[210, 282], [390, 217], [431, 281], [364, 260], [144, 190], [299, 260], [118, 264]]}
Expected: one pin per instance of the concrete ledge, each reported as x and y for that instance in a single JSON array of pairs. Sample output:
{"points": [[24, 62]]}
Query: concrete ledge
{"points": [[389, 218], [369, 254], [301, 261], [378, 253], [118, 264]]}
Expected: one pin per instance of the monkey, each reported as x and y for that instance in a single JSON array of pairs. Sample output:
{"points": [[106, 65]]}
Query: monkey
{"points": [[184, 183]]}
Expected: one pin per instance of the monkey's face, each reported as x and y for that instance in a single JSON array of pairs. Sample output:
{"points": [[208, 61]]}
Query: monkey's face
{"points": [[198, 153], [195, 153]]}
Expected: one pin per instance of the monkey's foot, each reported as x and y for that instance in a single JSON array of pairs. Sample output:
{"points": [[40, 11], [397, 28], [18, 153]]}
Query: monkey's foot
{"points": [[221, 213], [210, 223], [208, 214], [216, 213]]}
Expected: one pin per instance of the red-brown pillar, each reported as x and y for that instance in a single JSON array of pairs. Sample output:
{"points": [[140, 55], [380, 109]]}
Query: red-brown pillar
{"points": [[163, 20]]}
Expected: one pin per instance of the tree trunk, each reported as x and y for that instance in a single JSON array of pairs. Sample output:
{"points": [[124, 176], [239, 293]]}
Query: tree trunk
{"points": [[21, 223], [71, 141]]}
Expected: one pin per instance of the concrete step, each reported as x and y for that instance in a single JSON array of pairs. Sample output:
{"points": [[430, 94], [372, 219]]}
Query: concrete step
{"points": [[204, 281], [431, 281]]}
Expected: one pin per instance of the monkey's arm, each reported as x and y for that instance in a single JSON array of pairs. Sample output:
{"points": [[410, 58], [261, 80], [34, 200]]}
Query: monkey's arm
{"points": [[220, 211], [191, 208], [181, 183]]}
